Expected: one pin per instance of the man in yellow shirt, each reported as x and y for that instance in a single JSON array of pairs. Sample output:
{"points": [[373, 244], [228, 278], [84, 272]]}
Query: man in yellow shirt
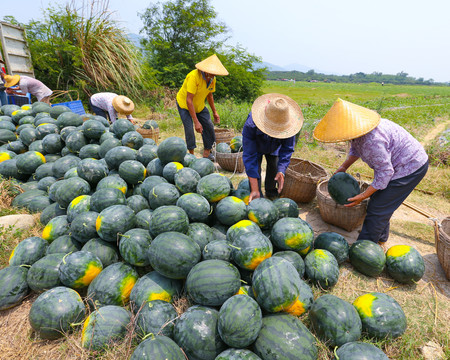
{"points": [[198, 86]]}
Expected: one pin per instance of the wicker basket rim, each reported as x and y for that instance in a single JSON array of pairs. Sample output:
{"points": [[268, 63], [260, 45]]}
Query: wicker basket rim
{"points": [[147, 131], [444, 228], [326, 196], [228, 155]]}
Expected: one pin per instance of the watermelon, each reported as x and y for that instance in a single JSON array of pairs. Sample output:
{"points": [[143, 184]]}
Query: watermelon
{"points": [[334, 320], [153, 286], [168, 218], [45, 183], [170, 169], [196, 207], [52, 144], [132, 171], [114, 220], [133, 246], [203, 166], [163, 194], [367, 257], [105, 197], [196, 333], [112, 286], [357, 350], [155, 167], [263, 213], [334, 243], [249, 250], [404, 264], [75, 141], [107, 145], [121, 126], [189, 159], [146, 153], [236, 144], [90, 151], [28, 162], [156, 317], [92, 171], [230, 210], [83, 226], [44, 273], [149, 183], [137, 203], [14, 285], [18, 147], [64, 244], [81, 204], [55, 312], [105, 251], [172, 149], [214, 187], [104, 326], [237, 354], [201, 233], [143, 218], [173, 254], [294, 258], [93, 129], [321, 268], [292, 234], [240, 320], [242, 194], [275, 339], [6, 136], [63, 164], [8, 155], [69, 117], [70, 189], [45, 170], [158, 347], [28, 251], [56, 227], [50, 212], [241, 227], [276, 284], [342, 186], [117, 155], [304, 301], [286, 208], [212, 282], [381, 316], [115, 182], [223, 147], [78, 269], [217, 249]]}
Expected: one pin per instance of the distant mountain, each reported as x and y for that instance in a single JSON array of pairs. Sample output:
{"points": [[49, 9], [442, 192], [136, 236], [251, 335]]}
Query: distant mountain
{"points": [[296, 67], [135, 39]]}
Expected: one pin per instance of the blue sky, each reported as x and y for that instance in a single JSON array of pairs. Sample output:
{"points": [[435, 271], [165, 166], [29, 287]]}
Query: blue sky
{"points": [[343, 37]]}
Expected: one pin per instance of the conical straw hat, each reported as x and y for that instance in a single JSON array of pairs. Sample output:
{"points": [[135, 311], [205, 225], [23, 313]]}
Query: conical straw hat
{"points": [[212, 65], [345, 121], [11, 80], [123, 105], [277, 115]]}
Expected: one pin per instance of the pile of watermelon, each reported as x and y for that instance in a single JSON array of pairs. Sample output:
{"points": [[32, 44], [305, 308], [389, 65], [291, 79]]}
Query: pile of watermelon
{"points": [[131, 226]]}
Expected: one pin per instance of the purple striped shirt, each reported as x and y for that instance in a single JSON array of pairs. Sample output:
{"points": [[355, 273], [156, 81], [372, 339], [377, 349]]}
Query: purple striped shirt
{"points": [[390, 151]]}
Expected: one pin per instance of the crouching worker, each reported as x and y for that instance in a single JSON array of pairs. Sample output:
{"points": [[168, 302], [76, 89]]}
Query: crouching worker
{"points": [[110, 105], [270, 130]]}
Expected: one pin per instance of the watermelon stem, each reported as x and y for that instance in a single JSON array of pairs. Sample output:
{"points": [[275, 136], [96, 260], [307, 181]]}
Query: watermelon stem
{"points": [[148, 335], [335, 355], [235, 247]]}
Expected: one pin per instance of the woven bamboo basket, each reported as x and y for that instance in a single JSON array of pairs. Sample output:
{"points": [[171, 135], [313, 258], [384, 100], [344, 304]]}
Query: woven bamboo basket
{"points": [[224, 135], [230, 161], [149, 133], [443, 245], [302, 177], [347, 218]]}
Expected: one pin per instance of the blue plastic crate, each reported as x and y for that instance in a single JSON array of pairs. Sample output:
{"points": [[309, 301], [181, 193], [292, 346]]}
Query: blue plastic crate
{"points": [[19, 100], [76, 106]]}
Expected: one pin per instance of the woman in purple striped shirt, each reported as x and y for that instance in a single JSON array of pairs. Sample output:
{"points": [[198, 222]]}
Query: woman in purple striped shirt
{"points": [[398, 160]]}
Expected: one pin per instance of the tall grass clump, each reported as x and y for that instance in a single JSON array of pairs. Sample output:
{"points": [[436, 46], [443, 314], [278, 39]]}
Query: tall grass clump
{"points": [[80, 46]]}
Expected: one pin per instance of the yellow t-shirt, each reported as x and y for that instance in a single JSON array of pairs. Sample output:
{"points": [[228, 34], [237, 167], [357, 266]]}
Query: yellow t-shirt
{"points": [[195, 84]]}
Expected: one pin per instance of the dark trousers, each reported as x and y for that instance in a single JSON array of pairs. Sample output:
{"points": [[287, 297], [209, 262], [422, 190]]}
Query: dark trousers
{"points": [[208, 134], [383, 203], [97, 111], [270, 184]]}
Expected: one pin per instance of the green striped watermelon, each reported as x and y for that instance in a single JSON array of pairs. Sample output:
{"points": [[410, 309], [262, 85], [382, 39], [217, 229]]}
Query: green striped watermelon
{"points": [[275, 339], [240, 320], [83, 226], [367, 257], [294, 258], [118, 154], [132, 171], [203, 166], [263, 213], [28, 162], [158, 347], [70, 189], [322, 268], [64, 245], [103, 198], [13, 285], [168, 218], [286, 208], [334, 320], [334, 243], [80, 204], [44, 273], [170, 169], [133, 246], [196, 207], [172, 149], [28, 251], [249, 250], [201, 233], [237, 354], [105, 251], [156, 317], [241, 227], [217, 249], [357, 350], [404, 263], [343, 186], [292, 234], [212, 282], [55, 312], [214, 187], [78, 269], [186, 180], [304, 301], [163, 194], [114, 220], [230, 210]]}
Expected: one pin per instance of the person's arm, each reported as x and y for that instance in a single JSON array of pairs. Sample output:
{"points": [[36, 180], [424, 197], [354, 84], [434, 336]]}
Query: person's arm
{"points": [[360, 197], [347, 163], [130, 118], [112, 113], [284, 158], [213, 108], [190, 105]]}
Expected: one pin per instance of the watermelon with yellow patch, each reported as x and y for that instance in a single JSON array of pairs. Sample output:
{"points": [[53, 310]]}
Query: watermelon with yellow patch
{"points": [[276, 284], [404, 263], [78, 269], [263, 213], [6, 155], [170, 169], [322, 268], [230, 210], [241, 227], [304, 301], [77, 206], [249, 250], [112, 286], [154, 286], [56, 227], [28, 251], [381, 315], [28, 162], [214, 187], [292, 234]]}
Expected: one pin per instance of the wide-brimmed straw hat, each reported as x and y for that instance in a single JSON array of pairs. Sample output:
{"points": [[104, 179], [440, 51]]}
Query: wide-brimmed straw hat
{"points": [[11, 80], [212, 65], [345, 121], [277, 115], [123, 105]]}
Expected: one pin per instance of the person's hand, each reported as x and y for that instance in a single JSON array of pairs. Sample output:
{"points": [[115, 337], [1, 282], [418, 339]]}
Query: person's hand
{"points": [[9, 91], [216, 118], [356, 200], [254, 195], [279, 178], [340, 169], [198, 127]]}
